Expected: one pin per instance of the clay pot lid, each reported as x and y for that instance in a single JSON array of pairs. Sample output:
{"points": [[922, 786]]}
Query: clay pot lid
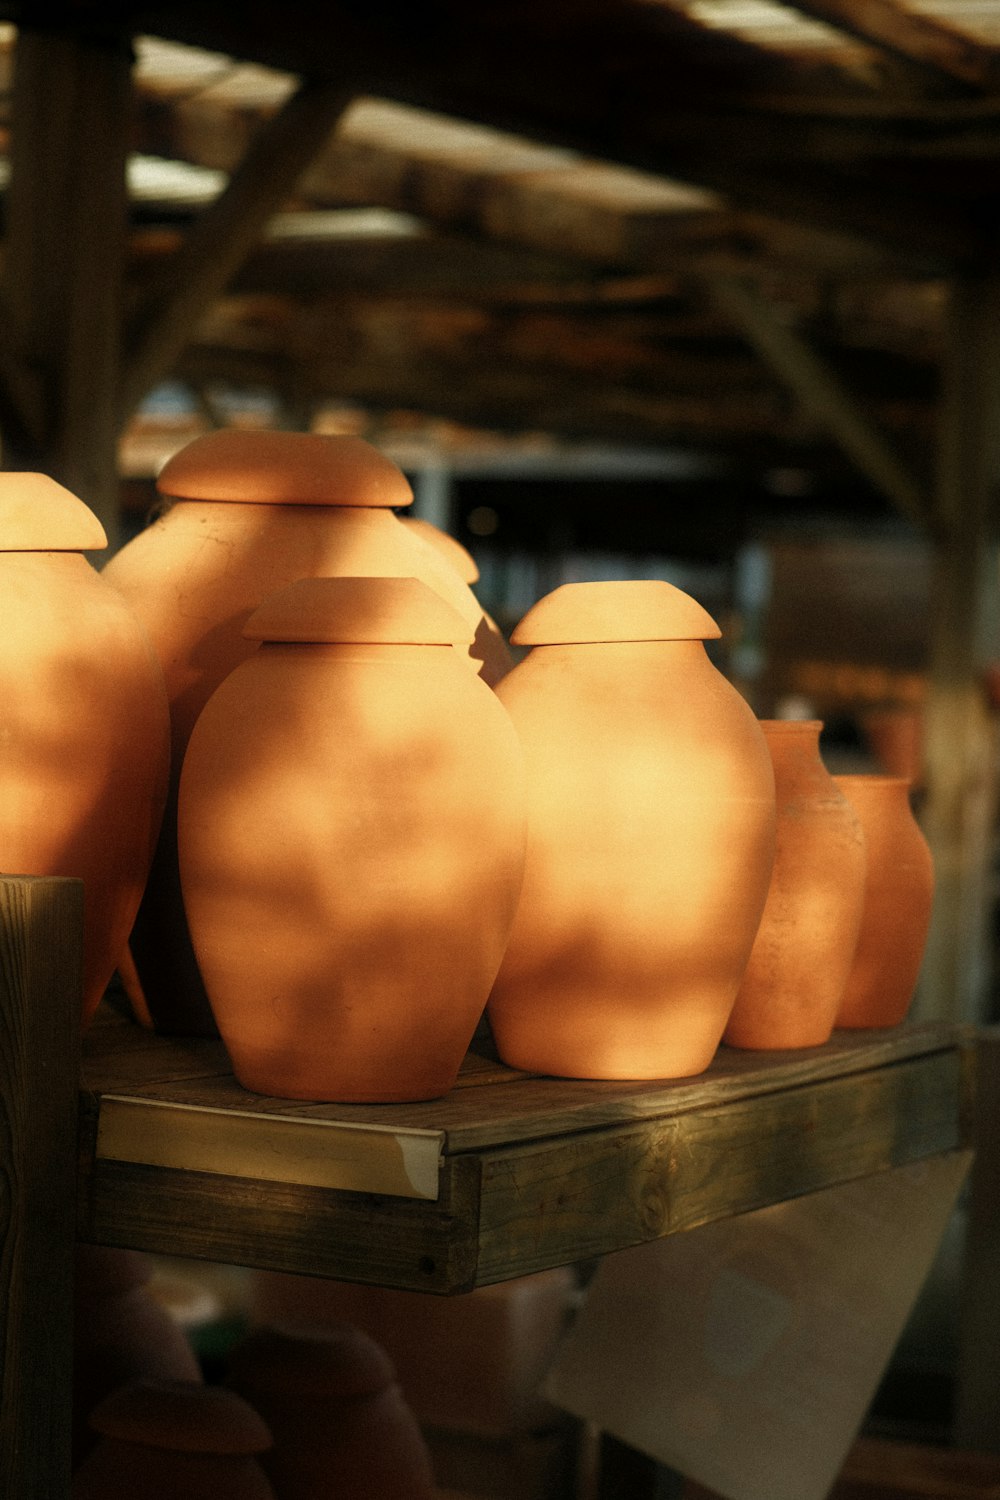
{"points": [[791, 726], [283, 468], [335, 1360], [358, 610], [181, 1415], [642, 609], [39, 515], [447, 545]]}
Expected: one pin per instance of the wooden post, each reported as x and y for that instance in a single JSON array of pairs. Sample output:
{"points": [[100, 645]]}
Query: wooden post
{"points": [[65, 247], [41, 924], [959, 813]]}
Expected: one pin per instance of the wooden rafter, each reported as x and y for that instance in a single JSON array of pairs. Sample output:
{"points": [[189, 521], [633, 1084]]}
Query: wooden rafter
{"points": [[224, 233], [918, 38]]}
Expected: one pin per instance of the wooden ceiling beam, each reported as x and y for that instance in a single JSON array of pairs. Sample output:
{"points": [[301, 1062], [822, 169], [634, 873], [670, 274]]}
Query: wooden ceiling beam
{"points": [[908, 34], [222, 235], [823, 395], [550, 212]]}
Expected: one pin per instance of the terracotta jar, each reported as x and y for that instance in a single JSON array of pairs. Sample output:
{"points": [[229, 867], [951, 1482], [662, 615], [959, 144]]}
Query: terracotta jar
{"points": [[166, 1439], [341, 1426], [899, 894], [802, 954], [351, 844], [490, 644], [650, 837], [121, 1333], [84, 742], [248, 513]]}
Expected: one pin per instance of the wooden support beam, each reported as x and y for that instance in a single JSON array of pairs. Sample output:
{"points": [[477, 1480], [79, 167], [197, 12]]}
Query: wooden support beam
{"points": [[224, 234], [959, 815], [41, 940], [821, 393], [918, 38], [65, 241]]}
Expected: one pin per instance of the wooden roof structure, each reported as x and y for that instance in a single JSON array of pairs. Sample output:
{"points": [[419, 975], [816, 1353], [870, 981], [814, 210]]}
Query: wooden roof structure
{"points": [[745, 228]]}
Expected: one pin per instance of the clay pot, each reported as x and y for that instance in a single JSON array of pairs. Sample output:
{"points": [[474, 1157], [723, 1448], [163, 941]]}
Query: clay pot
{"points": [[250, 512], [84, 744], [121, 1333], [340, 1423], [351, 844], [899, 894], [802, 954], [650, 837], [165, 1439], [490, 644]]}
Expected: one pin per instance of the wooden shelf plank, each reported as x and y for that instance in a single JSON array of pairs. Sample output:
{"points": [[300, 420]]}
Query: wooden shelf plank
{"points": [[508, 1173]]}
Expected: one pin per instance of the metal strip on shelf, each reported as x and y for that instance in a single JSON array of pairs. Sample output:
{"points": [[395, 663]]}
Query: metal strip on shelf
{"points": [[400, 1163]]}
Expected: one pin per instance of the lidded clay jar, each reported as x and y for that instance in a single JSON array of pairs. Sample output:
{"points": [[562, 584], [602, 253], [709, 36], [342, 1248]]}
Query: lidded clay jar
{"points": [[351, 844], [802, 954], [650, 837], [340, 1422], [899, 896], [121, 1333], [248, 513], [85, 742], [164, 1439]]}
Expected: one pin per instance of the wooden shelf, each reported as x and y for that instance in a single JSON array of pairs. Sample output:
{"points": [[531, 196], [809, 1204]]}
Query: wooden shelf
{"points": [[507, 1174]]}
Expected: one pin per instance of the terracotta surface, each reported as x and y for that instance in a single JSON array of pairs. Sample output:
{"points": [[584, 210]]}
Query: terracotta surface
{"points": [[352, 843], [120, 1334], [252, 511], [490, 644], [899, 895], [802, 954], [163, 1440], [340, 1424], [650, 838], [84, 748]]}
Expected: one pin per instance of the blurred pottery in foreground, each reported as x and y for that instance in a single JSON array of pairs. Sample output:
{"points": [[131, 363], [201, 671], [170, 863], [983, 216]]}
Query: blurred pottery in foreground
{"points": [[650, 837], [899, 895], [794, 982], [340, 1423]]}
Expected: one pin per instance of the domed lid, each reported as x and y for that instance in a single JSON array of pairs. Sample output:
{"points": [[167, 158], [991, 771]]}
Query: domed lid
{"points": [[642, 609], [358, 610], [449, 546], [337, 1359], [283, 468], [183, 1416], [39, 515]]}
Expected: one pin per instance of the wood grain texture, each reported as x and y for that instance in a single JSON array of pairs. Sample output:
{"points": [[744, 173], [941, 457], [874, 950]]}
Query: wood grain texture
{"points": [[40, 1002], [547, 1202], [534, 1171]]}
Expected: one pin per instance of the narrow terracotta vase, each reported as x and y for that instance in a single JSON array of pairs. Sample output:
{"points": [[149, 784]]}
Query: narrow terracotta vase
{"points": [[899, 895], [84, 738], [351, 844], [340, 1423], [249, 512], [167, 1439], [651, 826], [120, 1334], [802, 954]]}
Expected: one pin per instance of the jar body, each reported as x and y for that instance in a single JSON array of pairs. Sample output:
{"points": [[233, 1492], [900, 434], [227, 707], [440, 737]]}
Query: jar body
{"points": [[351, 848], [84, 751], [194, 577], [899, 895], [802, 954], [650, 842], [340, 1423]]}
